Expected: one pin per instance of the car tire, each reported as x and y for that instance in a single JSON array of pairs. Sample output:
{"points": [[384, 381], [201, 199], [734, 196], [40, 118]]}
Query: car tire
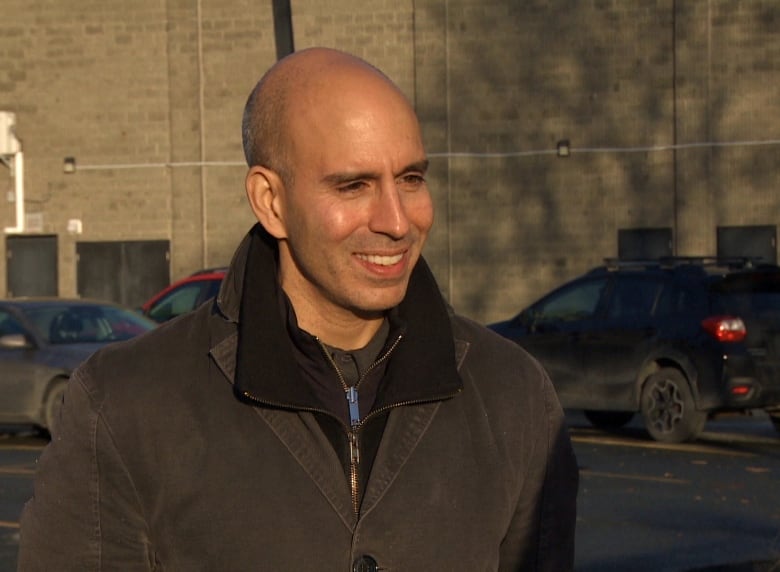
{"points": [[52, 405], [608, 420], [668, 408]]}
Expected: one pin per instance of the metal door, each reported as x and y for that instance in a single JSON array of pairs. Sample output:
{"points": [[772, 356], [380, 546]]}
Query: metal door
{"points": [[31, 266], [644, 243], [126, 272], [752, 241]]}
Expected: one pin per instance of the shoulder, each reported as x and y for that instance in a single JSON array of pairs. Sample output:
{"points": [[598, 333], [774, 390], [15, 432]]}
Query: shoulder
{"points": [[488, 349], [507, 380], [172, 355]]}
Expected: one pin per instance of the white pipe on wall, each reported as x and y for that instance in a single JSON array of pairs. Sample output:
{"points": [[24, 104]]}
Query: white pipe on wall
{"points": [[18, 173]]}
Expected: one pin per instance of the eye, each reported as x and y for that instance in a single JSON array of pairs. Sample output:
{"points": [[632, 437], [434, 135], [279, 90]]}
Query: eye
{"points": [[352, 186], [411, 180]]}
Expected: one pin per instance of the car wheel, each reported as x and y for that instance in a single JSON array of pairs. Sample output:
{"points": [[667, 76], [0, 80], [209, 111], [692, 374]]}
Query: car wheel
{"points": [[608, 419], [668, 408], [52, 405]]}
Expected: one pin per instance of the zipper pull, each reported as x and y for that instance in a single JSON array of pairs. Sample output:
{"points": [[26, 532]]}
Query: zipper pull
{"points": [[354, 406]]}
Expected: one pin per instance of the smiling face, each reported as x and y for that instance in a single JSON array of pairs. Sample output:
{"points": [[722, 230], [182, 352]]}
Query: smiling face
{"points": [[353, 219]]}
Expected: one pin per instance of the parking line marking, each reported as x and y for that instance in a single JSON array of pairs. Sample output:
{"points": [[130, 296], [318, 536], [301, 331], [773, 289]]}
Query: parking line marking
{"points": [[8, 447], [681, 447], [666, 480], [17, 471]]}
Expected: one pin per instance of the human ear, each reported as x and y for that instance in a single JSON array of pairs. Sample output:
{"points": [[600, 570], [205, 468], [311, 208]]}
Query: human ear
{"points": [[264, 190]]}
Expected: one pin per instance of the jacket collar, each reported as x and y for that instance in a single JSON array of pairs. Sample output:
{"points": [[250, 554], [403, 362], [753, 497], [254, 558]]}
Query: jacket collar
{"points": [[422, 367]]}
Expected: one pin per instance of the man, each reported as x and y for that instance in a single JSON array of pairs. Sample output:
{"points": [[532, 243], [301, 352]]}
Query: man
{"points": [[328, 412]]}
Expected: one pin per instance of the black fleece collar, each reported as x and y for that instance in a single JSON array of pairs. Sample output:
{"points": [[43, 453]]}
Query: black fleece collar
{"points": [[422, 367]]}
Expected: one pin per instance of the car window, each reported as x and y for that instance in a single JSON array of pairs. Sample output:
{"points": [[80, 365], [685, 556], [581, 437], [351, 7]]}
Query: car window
{"points": [[179, 301], [746, 294], [633, 297], [212, 289], [677, 298], [41, 319], [78, 324], [9, 324], [119, 323], [575, 302]]}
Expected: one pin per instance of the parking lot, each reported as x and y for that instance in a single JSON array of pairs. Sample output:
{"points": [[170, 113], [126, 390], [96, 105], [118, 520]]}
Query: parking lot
{"points": [[643, 506], [709, 505]]}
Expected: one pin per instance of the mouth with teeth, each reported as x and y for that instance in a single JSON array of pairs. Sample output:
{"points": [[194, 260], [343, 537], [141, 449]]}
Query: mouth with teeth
{"points": [[381, 260]]}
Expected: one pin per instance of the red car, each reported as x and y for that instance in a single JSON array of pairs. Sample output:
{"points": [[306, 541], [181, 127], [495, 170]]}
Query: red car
{"points": [[184, 295]]}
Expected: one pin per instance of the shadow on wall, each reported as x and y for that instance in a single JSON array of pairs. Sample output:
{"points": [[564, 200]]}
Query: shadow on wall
{"points": [[521, 220]]}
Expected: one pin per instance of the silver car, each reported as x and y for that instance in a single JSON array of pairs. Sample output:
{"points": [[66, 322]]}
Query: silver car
{"points": [[42, 340]]}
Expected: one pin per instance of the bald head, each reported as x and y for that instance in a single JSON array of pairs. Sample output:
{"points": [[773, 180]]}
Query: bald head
{"points": [[337, 176], [310, 80]]}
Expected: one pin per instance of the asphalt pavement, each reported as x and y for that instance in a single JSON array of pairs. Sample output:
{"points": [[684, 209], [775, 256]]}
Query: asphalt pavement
{"points": [[709, 506]]}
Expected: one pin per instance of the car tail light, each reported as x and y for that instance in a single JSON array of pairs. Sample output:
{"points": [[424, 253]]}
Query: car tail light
{"points": [[725, 328]]}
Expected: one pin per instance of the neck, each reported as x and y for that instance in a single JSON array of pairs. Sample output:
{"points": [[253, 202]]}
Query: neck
{"points": [[335, 327], [346, 335]]}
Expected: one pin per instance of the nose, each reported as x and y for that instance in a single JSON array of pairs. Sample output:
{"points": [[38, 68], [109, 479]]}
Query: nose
{"points": [[389, 215]]}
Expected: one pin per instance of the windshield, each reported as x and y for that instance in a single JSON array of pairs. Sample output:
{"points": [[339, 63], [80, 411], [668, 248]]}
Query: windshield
{"points": [[76, 324]]}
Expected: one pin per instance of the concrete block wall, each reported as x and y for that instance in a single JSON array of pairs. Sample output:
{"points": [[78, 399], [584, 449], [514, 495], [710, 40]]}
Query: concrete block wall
{"points": [[523, 76], [238, 47], [90, 81], [736, 66], [624, 82], [148, 97]]}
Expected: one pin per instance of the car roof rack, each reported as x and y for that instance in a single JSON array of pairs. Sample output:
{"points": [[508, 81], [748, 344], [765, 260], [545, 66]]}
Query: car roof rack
{"points": [[731, 262]]}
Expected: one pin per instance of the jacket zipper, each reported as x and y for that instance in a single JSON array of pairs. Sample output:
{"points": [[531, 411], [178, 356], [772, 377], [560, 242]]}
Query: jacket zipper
{"points": [[356, 423], [354, 445], [352, 433], [354, 448], [354, 464], [351, 393]]}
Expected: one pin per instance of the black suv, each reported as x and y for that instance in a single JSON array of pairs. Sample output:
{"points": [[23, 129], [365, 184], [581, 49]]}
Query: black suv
{"points": [[676, 339]]}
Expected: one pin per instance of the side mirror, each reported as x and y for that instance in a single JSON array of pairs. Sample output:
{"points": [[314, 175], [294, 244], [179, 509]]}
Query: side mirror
{"points": [[14, 341]]}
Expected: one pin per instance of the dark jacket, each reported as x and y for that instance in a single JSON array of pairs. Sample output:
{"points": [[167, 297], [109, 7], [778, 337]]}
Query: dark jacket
{"points": [[166, 458]]}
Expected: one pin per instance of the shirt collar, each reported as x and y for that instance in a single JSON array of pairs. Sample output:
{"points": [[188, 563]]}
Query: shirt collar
{"points": [[422, 367]]}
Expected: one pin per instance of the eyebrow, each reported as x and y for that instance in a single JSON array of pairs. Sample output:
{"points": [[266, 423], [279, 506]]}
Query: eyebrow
{"points": [[347, 176]]}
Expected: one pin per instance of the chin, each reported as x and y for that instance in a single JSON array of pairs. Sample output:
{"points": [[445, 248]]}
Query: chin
{"points": [[378, 304]]}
